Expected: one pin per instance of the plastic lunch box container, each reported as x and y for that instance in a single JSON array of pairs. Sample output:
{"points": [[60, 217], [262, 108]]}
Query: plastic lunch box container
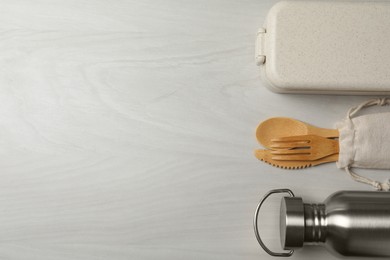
{"points": [[326, 47]]}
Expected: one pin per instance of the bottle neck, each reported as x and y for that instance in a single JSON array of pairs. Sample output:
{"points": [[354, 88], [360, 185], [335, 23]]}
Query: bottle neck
{"points": [[315, 223]]}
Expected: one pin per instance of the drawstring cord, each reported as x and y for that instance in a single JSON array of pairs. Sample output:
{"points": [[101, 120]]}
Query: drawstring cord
{"points": [[369, 103], [383, 186]]}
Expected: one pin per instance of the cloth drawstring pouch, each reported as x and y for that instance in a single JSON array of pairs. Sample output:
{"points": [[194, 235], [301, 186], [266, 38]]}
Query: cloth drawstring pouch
{"points": [[365, 142]]}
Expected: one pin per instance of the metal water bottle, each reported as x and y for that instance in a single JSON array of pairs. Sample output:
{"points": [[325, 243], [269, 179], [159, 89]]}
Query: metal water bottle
{"points": [[351, 223]]}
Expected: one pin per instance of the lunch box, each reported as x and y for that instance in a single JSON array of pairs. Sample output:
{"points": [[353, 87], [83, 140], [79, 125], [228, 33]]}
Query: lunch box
{"points": [[326, 47]]}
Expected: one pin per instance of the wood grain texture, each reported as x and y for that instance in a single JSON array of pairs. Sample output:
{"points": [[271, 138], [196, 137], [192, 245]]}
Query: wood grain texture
{"points": [[127, 130]]}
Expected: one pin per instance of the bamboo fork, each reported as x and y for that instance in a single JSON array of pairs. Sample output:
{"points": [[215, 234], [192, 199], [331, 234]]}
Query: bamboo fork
{"points": [[303, 148]]}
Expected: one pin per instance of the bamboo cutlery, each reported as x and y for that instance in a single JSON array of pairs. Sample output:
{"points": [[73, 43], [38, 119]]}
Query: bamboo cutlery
{"points": [[293, 144]]}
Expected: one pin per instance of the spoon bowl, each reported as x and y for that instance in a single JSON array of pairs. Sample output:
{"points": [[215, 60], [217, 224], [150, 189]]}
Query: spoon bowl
{"points": [[278, 127]]}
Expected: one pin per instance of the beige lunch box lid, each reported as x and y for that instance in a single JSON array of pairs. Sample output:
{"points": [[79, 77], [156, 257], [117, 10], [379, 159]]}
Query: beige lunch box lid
{"points": [[326, 47]]}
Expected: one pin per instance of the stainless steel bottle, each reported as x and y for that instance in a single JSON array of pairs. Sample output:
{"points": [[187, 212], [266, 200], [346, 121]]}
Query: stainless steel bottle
{"points": [[351, 223]]}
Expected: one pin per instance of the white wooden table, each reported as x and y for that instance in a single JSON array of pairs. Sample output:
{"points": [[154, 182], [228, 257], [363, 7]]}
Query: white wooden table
{"points": [[127, 131]]}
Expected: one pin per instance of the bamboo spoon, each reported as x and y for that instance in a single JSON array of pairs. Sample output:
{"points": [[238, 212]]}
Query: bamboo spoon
{"points": [[283, 126], [266, 156]]}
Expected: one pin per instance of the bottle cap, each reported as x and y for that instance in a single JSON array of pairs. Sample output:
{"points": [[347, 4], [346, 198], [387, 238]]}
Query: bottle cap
{"points": [[292, 222], [291, 225]]}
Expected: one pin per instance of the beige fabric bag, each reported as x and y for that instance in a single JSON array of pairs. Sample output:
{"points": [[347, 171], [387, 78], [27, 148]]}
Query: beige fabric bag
{"points": [[365, 142]]}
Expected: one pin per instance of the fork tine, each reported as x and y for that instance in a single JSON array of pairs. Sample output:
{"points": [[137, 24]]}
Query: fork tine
{"points": [[291, 152], [279, 145], [294, 157]]}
